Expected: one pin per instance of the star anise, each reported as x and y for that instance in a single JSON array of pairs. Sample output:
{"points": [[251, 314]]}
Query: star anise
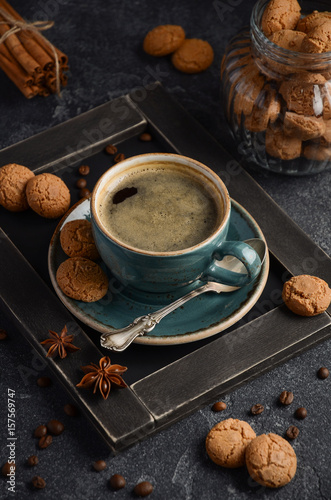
{"points": [[60, 344], [102, 376]]}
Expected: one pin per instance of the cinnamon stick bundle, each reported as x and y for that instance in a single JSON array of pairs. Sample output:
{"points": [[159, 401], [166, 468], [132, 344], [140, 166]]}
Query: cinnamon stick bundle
{"points": [[33, 64]]}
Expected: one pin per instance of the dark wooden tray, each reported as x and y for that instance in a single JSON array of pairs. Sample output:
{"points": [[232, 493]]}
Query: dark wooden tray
{"points": [[165, 384]]}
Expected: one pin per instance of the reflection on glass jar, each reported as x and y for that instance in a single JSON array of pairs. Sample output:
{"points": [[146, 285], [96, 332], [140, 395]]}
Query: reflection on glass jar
{"points": [[277, 99]]}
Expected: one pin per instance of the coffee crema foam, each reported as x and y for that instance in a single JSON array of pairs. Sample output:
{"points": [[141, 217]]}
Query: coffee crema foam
{"points": [[160, 207]]}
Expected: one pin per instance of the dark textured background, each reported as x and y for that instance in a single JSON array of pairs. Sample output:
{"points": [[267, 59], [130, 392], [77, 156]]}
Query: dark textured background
{"points": [[104, 43]]}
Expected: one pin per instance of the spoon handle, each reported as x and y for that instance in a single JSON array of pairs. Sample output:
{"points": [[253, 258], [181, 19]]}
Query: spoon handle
{"points": [[120, 339]]}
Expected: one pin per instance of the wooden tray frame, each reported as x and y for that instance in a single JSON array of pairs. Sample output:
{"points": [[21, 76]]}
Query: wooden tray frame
{"points": [[183, 386]]}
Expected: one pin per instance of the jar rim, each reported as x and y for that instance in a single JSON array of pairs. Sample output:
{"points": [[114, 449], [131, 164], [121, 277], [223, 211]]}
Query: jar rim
{"points": [[297, 60]]}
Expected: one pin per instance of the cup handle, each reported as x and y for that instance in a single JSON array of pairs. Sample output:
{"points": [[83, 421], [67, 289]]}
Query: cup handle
{"points": [[244, 253]]}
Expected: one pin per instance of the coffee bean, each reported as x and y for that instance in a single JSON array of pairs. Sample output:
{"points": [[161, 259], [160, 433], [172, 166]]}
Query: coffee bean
{"points": [[323, 373], [119, 157], [219, 406], [44, 381], [7, 469], [301, 413], [99, 465], [84, 170], [145, 137], [38, 482], [111, 149], [71, 410], [40, 431], [84, 193], [33, 460], [117, 482], [286, 398], [143, 489], [3, 334], [292, 432], [81, 183], [257, 409], [45, 441], [55, 427]]}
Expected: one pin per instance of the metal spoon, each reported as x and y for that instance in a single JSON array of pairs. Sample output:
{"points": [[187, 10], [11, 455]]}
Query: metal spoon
{"points": [[120, 339]]}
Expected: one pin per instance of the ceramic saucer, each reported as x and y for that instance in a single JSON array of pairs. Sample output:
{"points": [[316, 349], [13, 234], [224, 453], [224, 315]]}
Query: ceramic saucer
{"points": [[199, 318]]}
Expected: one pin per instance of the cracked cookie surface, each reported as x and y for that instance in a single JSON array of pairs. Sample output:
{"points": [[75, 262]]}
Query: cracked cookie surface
{"points": [[271, 460], [193, 56], [82, 279], [226, 442], [306, 295], [48, 195], [77, 240], [280, 15], [13, 181], [163, 40]]}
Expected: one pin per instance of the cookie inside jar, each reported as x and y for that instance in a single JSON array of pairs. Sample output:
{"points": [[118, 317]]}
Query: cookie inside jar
{"points": [[276, 87]]}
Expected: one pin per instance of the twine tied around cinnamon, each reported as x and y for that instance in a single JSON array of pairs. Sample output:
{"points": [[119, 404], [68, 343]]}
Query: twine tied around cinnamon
{"points": [[35, 27]]}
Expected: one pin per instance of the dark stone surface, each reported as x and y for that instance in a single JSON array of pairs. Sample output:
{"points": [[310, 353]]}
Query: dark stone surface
{"points": [[103, 41]]}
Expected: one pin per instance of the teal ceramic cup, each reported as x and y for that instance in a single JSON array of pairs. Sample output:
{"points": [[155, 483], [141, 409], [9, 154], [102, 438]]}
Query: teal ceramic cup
{"points": [[161, 272]]}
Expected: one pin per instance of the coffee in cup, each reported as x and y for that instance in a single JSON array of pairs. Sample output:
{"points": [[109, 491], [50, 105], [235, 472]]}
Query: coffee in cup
{"points": [[160, 207], [160, 222]]}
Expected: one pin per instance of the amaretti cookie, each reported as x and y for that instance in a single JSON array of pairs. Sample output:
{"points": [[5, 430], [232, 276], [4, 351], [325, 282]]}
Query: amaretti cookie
{"points": [[193, 56], [279, 15], [303, 127], [247, 90], [280, 145], [13, 181], [303, 93], [317, 152], [265, 110], [318, 39], [306, 295], [163, 40], [82, 279], [288, 39], [314, 19], [327, 133], [236, 58], [237, 78], [226, 442], [77, 240], [271, 460], [48, 195]]}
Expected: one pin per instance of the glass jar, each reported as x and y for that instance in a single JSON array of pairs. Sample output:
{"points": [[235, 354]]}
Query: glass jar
{"points": [[277, 101]]}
